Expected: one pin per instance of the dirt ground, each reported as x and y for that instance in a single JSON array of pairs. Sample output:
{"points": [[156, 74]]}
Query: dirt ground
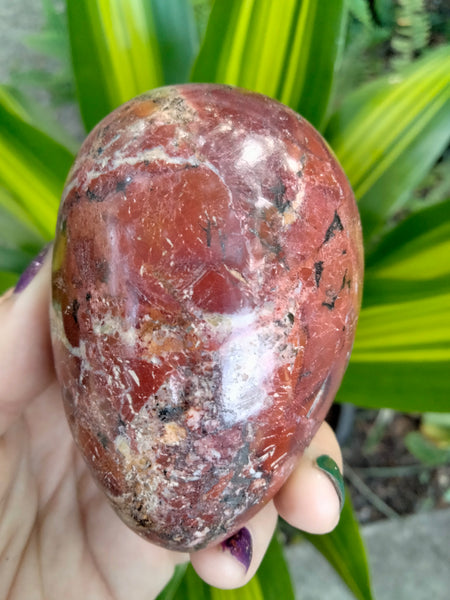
{"points": [[384, 478]]}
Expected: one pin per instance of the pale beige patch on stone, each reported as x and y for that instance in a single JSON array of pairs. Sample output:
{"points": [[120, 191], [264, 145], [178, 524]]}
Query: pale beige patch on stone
{"points": [[173, 434]]}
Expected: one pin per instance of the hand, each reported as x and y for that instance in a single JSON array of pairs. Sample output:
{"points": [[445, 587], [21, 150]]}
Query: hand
{"points": [[59, 538]]}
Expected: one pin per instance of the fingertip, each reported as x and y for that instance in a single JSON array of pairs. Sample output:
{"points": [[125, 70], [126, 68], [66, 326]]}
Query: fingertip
{"points": [[309, 501], [231, 564], [218, 569], [312, 497]]}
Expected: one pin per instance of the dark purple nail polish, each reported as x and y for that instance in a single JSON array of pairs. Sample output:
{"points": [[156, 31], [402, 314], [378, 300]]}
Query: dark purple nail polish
{"points": [[241, 547], [32, 270]]}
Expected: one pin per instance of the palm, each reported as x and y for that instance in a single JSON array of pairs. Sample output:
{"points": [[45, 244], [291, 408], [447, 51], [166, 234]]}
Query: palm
{"points": [[59, 538], [65, 533]]}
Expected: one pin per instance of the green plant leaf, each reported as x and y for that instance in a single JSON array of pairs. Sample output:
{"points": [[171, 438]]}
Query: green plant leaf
{"points": [[388, 134], [33, 166], [286, 50], [416, 331], [411, 261], [7, 280], [35, 114], [436, 427], [420, 239], [194, 588], [19, 239], [427, 452], [251, 591], [177, 34], [401, 356], [170, 590], [115, 53], [273, 574], [54, 73], [435, 187], [52, 39], [385, 12], [359, 9], [191, 587], [16, 226], [202, 10], [344, 550], [13, 260], [271, 582], [402, 385]]}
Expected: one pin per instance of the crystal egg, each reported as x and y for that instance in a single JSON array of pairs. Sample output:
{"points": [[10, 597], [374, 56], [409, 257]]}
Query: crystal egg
{"points": [[207, 276]]}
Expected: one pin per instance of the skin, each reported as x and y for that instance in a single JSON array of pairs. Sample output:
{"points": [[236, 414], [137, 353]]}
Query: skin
{"points": [[59, 538]]}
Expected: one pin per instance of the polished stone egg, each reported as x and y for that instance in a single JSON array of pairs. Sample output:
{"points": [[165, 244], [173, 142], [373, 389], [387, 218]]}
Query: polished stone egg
{"points": [[207, 279]]}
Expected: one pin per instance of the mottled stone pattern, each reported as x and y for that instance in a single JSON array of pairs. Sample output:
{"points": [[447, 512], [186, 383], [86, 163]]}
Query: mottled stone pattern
{"points": [[206, 285]]}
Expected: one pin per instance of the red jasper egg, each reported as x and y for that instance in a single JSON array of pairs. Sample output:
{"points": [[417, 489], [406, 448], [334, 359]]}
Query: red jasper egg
{"points": [[207, 278]]}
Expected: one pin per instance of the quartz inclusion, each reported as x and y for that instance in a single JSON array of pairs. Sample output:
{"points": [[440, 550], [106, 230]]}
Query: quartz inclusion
{"points": [[206, 285]]}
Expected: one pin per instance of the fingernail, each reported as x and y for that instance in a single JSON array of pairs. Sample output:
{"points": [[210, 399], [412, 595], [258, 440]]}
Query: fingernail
{"points": [[240, 546], [32, 270], [331, 470]]}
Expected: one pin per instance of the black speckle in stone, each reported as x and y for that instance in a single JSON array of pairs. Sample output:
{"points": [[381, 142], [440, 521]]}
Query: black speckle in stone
{"points": [[88, 296], [237, 499], [305, 374], [346, 282], [242, 456], [122, 185], [99, 150], [207, 230], [102, 270], [169, 413], [291, 318], [103, 439], [318, 269], [332, 297], [92, 196], [302, 166], [75, 308], [336, 225], [278, 192]]}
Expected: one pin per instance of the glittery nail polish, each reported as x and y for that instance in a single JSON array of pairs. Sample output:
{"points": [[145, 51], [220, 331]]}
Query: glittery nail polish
{"points": [[32, 270], [240, 546], [331, 470]]}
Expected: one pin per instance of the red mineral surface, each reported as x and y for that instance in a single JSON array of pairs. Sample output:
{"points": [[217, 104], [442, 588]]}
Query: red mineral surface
{"points": [[206, 285]]}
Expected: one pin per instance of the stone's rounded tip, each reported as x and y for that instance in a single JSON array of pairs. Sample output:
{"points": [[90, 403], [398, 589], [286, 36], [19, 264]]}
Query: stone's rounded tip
{"points": [[207, 277]]}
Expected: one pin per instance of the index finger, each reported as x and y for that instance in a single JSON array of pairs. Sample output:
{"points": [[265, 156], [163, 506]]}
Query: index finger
{"points": [[26, 361]]}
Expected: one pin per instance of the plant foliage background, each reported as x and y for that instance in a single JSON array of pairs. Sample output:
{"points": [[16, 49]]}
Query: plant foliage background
{"points": [[373, 77]]}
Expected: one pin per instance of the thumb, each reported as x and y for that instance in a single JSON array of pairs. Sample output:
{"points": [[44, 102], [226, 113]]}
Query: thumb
{"points": [[26, 362]]}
